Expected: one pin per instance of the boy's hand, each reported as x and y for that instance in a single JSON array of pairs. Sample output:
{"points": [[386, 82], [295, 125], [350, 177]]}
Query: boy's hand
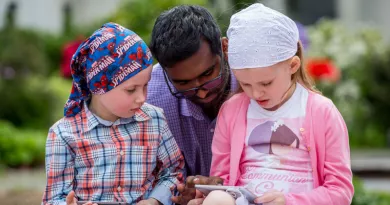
{"points": [[150, 201], [188, 192], [71, 199], [272, 198]]}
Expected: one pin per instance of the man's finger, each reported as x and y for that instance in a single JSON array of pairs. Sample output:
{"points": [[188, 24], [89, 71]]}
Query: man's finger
{"points": [[196, 201], [216, 180], [198, 194], [190, 182], [180, 188]]}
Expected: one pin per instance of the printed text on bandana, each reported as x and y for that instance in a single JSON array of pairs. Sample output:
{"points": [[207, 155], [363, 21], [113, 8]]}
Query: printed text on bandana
{"points": [[99, 41], [124, 71], [125, 46], [99, 65]]}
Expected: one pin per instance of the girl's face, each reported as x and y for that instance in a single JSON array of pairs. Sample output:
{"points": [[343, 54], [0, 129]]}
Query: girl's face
{"points": [[268, 85], [125, 99]]}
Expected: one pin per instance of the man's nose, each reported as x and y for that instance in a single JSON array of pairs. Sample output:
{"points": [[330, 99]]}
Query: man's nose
{"points": [[202, 93]]}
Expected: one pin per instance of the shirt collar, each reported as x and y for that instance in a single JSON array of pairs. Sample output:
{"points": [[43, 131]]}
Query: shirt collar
{"points": [[93, 120]]}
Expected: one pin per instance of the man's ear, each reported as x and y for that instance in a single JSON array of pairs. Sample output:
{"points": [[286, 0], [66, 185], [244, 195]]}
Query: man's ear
{"points": [[225, 45]]}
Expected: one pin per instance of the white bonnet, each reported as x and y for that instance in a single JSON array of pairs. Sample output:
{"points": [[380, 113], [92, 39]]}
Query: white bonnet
{"points": [[260, 37]]}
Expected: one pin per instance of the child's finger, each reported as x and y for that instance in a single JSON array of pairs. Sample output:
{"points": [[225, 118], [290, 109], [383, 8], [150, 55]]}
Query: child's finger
{"points": [[71, 199], [267, 197], [196, 201], [176, 199]]}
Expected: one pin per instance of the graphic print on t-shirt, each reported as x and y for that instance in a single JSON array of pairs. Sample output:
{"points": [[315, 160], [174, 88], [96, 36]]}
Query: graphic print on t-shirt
{"points": [[270, 136]]}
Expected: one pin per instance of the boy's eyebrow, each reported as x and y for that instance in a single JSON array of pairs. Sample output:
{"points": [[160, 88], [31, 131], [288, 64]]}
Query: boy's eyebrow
{"points": [[132, 86], [185, 81]]}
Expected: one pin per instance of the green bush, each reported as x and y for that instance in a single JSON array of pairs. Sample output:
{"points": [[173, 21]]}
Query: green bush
{"points": [[28, 103], [27, 90], [22, 52], [363, 197], [362, 94], [21, 148]]}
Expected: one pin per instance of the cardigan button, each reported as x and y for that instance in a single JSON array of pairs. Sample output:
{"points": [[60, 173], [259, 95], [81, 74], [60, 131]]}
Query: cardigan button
{"points": [[301, 129]]}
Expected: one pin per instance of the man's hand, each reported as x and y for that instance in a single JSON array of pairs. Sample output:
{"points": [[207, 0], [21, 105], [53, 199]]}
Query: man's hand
{"points": [[150, 201], [71, 200], [188, 192]]}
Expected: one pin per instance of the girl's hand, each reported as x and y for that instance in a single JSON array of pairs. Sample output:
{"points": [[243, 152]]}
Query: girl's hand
{"points": [[272, 198], [150, 201]]}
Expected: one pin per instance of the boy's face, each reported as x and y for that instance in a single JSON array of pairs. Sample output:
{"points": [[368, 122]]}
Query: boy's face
{"points": [[125, 99], [193, 72]]}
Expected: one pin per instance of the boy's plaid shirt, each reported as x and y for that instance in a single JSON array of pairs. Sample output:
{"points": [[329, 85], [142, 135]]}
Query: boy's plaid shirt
{"points": [[128, 160]]}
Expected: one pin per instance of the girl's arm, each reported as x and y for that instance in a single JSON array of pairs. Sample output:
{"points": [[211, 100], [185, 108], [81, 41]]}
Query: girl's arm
{"points": [[59, 169], [337, 185], [220, 164]]}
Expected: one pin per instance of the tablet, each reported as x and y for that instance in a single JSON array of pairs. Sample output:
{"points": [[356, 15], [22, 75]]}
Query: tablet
{"points": [[103, 203], [235, 191], [206, 189]]}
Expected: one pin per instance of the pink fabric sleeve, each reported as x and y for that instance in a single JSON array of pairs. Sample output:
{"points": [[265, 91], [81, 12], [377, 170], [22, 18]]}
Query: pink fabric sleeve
{"points": [[220, 164], [336, 186]]}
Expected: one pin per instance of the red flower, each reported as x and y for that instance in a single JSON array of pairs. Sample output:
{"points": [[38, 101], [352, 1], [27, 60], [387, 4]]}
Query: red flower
{"points": [[67, 53], [323, 69]]}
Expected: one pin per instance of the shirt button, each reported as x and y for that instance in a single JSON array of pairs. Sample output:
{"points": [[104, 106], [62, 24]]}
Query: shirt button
{"points": [[301, 129], [211, 130], [119, 188], [308, 148], [122, 153]]}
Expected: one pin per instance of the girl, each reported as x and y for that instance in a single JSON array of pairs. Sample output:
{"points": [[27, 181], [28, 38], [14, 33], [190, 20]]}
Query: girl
{"points": [[279, 138], [111, 146]]}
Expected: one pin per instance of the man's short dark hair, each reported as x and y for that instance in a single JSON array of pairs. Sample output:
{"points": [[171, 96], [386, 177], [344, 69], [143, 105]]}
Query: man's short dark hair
{"points": [[178, 32]]}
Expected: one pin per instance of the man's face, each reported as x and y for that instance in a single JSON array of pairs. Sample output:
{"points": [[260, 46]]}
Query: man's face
{"points": [[198, 69]]}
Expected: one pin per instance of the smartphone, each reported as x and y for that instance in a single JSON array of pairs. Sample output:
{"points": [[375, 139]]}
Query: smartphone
{"points": [[103, 203]]}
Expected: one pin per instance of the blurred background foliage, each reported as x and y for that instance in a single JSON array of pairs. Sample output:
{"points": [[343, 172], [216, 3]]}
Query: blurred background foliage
{"points": [[34, 92]]}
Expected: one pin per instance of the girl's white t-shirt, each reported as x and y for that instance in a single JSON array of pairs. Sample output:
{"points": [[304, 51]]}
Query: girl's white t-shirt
{"points": [[275, 157]]}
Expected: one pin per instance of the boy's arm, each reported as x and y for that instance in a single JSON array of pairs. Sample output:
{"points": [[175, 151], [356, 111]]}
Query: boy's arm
{"points": [[170, 164], [59, 170]]}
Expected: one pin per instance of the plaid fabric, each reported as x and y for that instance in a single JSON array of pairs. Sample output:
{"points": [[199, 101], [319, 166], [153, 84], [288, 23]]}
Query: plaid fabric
{"points": [[127, 161], [191, 127]]}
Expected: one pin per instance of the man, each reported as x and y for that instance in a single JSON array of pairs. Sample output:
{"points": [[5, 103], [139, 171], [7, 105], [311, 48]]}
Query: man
{"points": [[191, 82]]}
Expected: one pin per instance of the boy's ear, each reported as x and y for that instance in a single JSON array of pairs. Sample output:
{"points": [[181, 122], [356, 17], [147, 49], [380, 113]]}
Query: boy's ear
{"points": [[225, 46]]}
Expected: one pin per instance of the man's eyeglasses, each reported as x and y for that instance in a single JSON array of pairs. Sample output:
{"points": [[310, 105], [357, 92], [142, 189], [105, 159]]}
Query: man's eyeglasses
{"points": [[189, 93]]}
